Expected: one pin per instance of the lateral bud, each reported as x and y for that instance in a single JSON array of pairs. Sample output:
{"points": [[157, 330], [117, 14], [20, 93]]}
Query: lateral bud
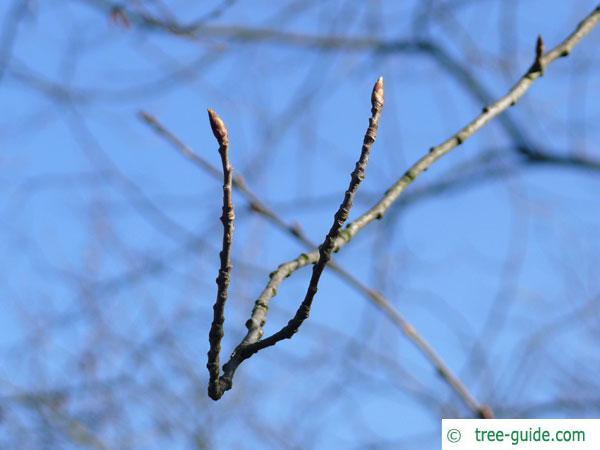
{"points": [[539, 54], [218, 127]]}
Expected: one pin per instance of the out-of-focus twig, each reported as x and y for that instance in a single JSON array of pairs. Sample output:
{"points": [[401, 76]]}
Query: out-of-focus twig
{"points": [[10, 29]]}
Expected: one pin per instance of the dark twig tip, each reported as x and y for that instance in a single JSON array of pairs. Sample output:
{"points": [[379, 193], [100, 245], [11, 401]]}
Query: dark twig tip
{"points": [[377, 95], [119, 17], [539, 46], [485, 412], [146, 117], [218, 127], [538, 65]]}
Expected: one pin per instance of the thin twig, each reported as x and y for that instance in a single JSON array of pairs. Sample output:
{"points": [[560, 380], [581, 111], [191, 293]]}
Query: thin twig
{"points": [[378, 299], [383, 304], [250, 345], [258, 316], [340, 218], [251, 342], [286, 269], [488, 113], [238, 182], [216, 330]]}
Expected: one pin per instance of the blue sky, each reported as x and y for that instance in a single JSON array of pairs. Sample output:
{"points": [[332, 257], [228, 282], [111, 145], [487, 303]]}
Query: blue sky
{"points": [[93, 196]]}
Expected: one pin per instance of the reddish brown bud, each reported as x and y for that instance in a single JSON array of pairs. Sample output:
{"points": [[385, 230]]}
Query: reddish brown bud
{"points": [[377, 95], [218, 127]]}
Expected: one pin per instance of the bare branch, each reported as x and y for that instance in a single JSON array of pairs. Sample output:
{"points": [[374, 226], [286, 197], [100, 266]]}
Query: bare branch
{"points": [[488, 113], [378, 299], [227, 218], [326, 248], [251, 342]]}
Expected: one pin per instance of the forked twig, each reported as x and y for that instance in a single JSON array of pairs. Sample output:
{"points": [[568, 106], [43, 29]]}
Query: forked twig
{"points": [[257, 320], [252, 343], [249, 347], [378, 299]]}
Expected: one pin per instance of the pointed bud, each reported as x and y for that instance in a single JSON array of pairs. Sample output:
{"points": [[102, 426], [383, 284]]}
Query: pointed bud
{"points": [[377, 95], [539, 48], [218, 127], [539, 54]]}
